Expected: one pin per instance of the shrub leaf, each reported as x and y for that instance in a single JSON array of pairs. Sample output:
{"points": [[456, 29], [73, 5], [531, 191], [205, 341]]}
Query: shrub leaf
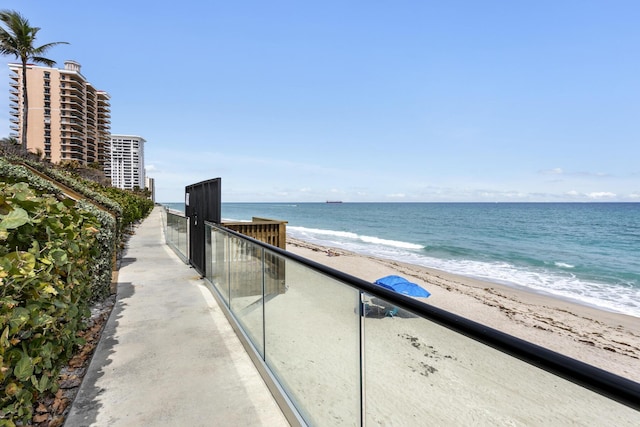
{"points": [[16, 218]]}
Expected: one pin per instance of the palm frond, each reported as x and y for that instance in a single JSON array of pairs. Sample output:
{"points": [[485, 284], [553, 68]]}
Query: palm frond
{"points": [[41, 60]]}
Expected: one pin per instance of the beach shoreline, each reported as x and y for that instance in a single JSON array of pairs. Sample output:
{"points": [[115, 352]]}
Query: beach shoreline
{"points": [[605, 339]]}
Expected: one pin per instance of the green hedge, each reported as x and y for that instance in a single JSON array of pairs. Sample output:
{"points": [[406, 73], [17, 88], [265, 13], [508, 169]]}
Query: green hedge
{"points": [[48, 248], [126, 205], [55, 261]]}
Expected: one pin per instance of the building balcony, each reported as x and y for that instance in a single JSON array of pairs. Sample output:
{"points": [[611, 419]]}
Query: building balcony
{"points": [[72, 104], [66, 121], [72, 140], [76, 134], [71, 114], [74, 96], [74, 89], [73, 156], [67, 156], [74, 125], [76, 83]]}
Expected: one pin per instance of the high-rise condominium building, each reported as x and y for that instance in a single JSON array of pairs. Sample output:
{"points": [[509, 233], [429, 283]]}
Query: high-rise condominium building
{"points": [[125, 166], [68, 118], [150, 184]]}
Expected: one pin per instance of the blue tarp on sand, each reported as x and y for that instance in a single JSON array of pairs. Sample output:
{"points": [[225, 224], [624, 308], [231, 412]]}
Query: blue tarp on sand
{"points": [[402, 286]]}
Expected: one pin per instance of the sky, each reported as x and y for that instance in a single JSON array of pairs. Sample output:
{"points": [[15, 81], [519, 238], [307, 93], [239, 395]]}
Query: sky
{"points": [[365, 101]]}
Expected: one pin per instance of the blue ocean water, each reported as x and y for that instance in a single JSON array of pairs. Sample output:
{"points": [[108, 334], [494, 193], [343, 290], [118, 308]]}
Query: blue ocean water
{"points": [[585, 252]]}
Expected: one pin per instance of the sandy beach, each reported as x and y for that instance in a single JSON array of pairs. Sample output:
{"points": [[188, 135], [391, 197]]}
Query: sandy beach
{"points": [[607, 340], [420, 373]]}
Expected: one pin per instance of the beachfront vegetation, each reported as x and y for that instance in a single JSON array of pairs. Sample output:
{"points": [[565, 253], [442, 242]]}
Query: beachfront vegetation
{"points": [[17, 39], [56, 259]]}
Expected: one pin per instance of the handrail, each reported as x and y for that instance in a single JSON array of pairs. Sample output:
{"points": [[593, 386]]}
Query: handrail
{"points": [[615, 387]]}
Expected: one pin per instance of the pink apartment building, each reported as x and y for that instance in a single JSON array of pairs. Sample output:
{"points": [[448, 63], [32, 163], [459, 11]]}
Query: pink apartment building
{"points": [[69, 119]]}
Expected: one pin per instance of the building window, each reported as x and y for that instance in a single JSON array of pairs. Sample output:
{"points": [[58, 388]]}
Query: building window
{"points": [[47, 104], [47, 112], [47, 97]]}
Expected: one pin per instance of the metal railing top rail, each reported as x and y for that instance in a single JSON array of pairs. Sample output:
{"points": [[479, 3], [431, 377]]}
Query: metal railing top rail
{"points": [[174, 211], [605, 383]]}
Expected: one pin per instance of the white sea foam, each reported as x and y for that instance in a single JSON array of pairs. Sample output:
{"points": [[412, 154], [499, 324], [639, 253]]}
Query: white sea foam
{"points": [[316, 233], [563, 265], [235, 220], [622, 299], [394, 243]]}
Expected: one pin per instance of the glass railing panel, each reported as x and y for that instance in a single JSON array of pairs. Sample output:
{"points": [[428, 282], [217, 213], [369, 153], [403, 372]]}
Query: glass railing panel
{"points": [[420, 373], [246, 273], [312, 344], [171, 229], [218, 273], [176, 233], [182, 235]]}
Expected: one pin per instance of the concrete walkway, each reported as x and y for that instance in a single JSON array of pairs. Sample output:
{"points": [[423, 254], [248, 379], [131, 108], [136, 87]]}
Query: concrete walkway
{"points": [[168, 356]]}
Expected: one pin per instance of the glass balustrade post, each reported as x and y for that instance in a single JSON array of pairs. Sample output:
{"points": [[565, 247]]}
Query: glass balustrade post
{"points": [[264, 319], [362, 372]]}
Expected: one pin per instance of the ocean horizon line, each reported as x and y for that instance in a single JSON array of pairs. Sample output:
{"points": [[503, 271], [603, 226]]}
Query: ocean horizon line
{"points": [[434, 202]]}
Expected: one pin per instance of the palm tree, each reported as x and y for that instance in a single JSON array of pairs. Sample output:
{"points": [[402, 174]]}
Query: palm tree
{"points": [[9, 145], [16, 39], [9, 140]]}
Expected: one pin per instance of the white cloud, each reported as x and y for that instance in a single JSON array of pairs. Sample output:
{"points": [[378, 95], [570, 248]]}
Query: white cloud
{"points": [[601, 195], [554, 171], [560, 171]]}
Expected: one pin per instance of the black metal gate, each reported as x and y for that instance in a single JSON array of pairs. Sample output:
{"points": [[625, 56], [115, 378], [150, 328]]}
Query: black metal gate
{"points": [[202, 203]]}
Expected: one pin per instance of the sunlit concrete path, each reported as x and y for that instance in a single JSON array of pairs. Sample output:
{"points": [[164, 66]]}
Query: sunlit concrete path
{"points": [[168, 356]]}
